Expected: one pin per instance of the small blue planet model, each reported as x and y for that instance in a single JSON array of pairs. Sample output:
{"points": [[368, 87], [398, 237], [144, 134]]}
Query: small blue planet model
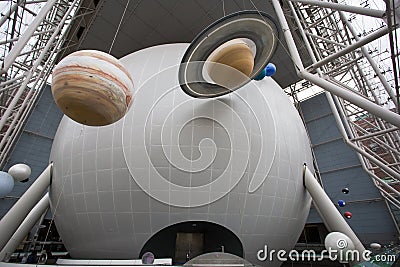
{"points": [[269, 70]]}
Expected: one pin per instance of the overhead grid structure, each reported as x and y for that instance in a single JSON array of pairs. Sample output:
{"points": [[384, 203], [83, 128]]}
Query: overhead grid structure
{"points": [[364, 100], [34, 36]]}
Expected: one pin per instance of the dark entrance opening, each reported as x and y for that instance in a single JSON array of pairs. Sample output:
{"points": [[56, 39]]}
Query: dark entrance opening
{"points": [[188, 246], [186, 240]]}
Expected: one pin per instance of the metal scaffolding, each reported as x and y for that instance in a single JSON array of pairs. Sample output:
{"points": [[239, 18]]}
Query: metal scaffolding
{"points": [[33, 37], [364, 101]]}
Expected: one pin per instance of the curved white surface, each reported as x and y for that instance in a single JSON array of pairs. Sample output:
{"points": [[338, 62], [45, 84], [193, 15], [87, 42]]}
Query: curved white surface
{"points": [[20, 172], [236, 161]]}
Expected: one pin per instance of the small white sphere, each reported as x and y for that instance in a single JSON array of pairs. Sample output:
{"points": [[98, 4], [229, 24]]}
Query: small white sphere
{"points": [[375, 246], [341, 243], [20, 172], [6, 183]]}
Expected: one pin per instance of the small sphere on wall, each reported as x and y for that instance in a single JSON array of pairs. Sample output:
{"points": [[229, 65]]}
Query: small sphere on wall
{"points": [[348, 214], [341, 203]]}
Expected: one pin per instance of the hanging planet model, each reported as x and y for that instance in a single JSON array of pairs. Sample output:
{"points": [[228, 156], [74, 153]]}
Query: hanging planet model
{"points": [[228, 54], [20, 172], [92, 87], [230, 64], [268, 71], [6, 183]]}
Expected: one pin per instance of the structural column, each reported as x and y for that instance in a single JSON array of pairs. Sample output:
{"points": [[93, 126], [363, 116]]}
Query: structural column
{"points": [[331, 216], [16, 215], [25, 227]]}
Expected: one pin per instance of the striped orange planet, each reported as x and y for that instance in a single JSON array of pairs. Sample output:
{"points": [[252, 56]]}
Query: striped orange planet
{"points": [[92, 87]]}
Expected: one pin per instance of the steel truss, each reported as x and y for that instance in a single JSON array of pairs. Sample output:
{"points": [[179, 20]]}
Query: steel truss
{"points": [[360, 92], [33, 40]]}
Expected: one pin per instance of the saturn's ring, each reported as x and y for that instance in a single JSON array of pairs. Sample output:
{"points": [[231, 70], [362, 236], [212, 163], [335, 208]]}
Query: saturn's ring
{"points": [[256, 26]]}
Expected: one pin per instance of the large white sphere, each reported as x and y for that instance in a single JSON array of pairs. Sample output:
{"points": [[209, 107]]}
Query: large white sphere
{"points": [[236, 161], [6, 184], [20, 172]]}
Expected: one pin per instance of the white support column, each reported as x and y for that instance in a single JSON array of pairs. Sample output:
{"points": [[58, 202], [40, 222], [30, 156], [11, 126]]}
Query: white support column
{"points": [[294, 53], [357, 100], [14, 217], [30, 220], [332, 217]]}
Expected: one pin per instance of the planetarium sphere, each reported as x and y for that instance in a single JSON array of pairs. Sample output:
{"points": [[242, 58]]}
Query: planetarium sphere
{"points": [[235, 160]]}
